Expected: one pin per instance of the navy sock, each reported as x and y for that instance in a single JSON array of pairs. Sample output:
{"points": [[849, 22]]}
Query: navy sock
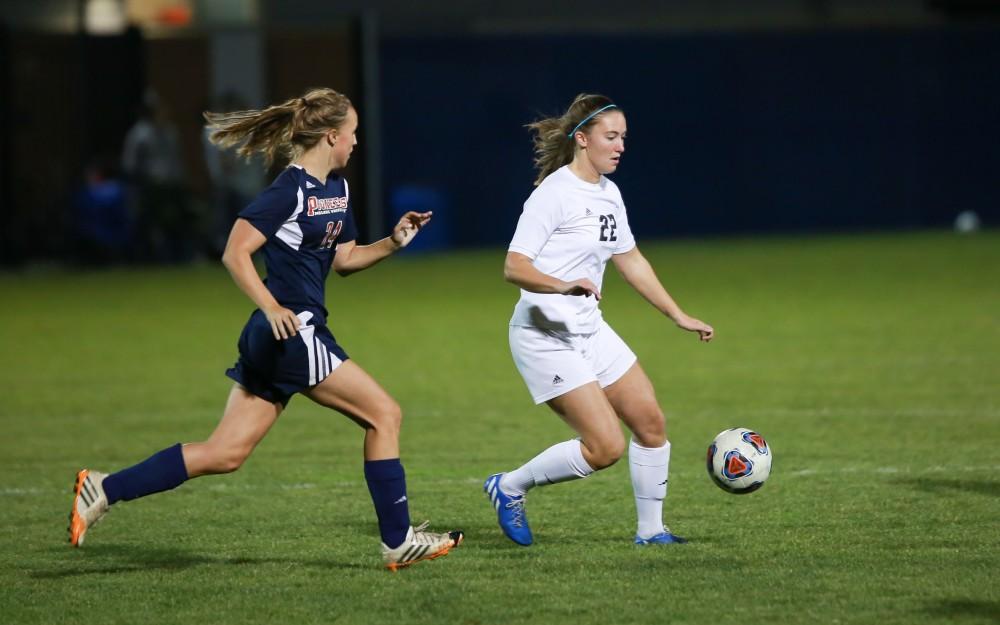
{"points": [[162, 471], [387, 485]]}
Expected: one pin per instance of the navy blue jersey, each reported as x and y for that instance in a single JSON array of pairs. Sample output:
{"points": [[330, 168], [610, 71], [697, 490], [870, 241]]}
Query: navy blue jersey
{"points": [[304, 220]]}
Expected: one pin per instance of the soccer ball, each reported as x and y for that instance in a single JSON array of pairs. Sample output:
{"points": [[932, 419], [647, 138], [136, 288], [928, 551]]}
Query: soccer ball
{"points": [[739, 460]]}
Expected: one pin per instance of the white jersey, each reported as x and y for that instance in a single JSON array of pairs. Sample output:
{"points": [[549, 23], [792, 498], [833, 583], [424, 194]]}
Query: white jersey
{"points": [[569, 228]]}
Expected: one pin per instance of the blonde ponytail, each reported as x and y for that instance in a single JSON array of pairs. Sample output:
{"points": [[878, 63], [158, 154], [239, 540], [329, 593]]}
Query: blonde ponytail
{"points": [[283, 131]]}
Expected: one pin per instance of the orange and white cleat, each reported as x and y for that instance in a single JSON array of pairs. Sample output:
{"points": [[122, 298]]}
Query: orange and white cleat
{"points": [[420, 545], [89, 504]]}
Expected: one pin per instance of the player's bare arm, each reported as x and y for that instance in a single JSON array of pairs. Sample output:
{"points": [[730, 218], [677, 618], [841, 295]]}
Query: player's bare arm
{"points": [[518, 269], [243, 241], [351, 258], [639, 274]]}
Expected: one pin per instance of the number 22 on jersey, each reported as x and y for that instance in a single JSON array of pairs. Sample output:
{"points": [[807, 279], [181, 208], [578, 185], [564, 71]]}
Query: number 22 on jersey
{"points": [[608, 228]]}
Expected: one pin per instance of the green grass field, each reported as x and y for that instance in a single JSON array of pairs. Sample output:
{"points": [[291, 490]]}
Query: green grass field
{"points": [[871, 364]]}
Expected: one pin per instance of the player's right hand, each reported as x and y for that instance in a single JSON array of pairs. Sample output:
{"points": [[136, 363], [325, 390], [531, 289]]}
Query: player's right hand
{"points": [[408, 227], [705, 332], [283, 322], [581, 287]]}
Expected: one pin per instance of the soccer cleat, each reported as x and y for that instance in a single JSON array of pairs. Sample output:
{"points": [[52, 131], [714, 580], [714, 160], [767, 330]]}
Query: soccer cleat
{"points": [[510, 511], [663, 538], [420, 545], [89, 504]]}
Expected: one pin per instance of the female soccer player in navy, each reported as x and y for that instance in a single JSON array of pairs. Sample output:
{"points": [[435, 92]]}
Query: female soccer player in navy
{"points": [[569, 357], [304, 225]]}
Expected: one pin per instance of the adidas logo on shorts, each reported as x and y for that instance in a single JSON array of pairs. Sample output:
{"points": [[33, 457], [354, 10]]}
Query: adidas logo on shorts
{"points": [[557, 380]]}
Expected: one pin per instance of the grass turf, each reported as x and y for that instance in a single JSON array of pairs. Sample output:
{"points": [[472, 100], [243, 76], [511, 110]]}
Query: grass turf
{"points": [[869, 363]]}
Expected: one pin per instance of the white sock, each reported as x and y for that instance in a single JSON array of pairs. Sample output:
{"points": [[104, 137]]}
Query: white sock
{"points": [[560, 463], [648, 467]]}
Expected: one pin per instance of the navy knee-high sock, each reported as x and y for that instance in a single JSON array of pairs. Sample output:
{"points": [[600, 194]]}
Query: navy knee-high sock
{"points": [[162, 471], [387, 485]]}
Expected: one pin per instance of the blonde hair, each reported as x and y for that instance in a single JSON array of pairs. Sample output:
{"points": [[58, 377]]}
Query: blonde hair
{"points": [[280, 132], [554, 145]]}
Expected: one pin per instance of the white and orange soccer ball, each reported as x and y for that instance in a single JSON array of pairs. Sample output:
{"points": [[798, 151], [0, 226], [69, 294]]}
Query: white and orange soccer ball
{"points": [[739, 460]]}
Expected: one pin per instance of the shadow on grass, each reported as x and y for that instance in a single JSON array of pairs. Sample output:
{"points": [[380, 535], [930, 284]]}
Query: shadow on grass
{"points": [[118, 558], [950, 608], [934, 485]]}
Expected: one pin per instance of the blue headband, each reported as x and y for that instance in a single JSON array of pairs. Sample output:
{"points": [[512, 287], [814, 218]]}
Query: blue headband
{"points": [[591, 116]]}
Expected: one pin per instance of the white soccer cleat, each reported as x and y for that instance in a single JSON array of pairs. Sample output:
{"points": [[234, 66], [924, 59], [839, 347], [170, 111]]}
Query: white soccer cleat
{"points": [[420, 545], [89, 504]]}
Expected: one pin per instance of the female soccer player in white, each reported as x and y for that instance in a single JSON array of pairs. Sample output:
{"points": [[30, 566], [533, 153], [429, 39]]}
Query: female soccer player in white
{"points": [[572, 223], [304, 225]]}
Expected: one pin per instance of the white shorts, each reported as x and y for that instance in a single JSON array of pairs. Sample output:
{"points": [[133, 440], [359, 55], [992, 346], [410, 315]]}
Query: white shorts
{"points": [[553, 363]]}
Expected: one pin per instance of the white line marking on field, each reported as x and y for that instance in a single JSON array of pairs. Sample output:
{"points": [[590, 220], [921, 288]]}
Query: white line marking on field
{"points": [[895, 470], [858, 411], [221, 487], [468, 481], [5, 492]]}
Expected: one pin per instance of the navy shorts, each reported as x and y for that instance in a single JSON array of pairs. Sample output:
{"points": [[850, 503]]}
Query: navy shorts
{"points": [[277, 369]]}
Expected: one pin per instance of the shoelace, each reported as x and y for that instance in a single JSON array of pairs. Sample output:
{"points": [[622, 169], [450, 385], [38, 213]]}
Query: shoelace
{"points": [[516, 505], [425, 538]]}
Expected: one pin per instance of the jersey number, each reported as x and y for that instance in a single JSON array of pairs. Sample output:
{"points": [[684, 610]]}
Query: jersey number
{"points": [[332, 231], [608, 228]]}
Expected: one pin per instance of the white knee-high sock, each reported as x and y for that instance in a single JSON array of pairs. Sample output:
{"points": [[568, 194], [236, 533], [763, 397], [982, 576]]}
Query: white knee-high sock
{"points": [[560, 463], [648, 467]]}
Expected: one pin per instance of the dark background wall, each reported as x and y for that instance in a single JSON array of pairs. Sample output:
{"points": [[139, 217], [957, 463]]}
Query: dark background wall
{"points": [[68, 99], [783, 116], [728, 132], [71, 99]]}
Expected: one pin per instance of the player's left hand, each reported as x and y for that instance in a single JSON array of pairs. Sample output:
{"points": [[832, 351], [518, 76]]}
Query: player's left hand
{"points": [[705, 331], [408, 227]]}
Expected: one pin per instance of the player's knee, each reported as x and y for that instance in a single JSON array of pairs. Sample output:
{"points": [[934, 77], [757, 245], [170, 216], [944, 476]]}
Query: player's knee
{"points": [[651, 430], [652, 436], [606, 451], [388, 416]]}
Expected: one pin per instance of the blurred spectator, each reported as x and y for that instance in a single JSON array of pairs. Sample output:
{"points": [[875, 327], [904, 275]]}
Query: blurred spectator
{"points": [[151, 158], [101, 224], [234, 180]]}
